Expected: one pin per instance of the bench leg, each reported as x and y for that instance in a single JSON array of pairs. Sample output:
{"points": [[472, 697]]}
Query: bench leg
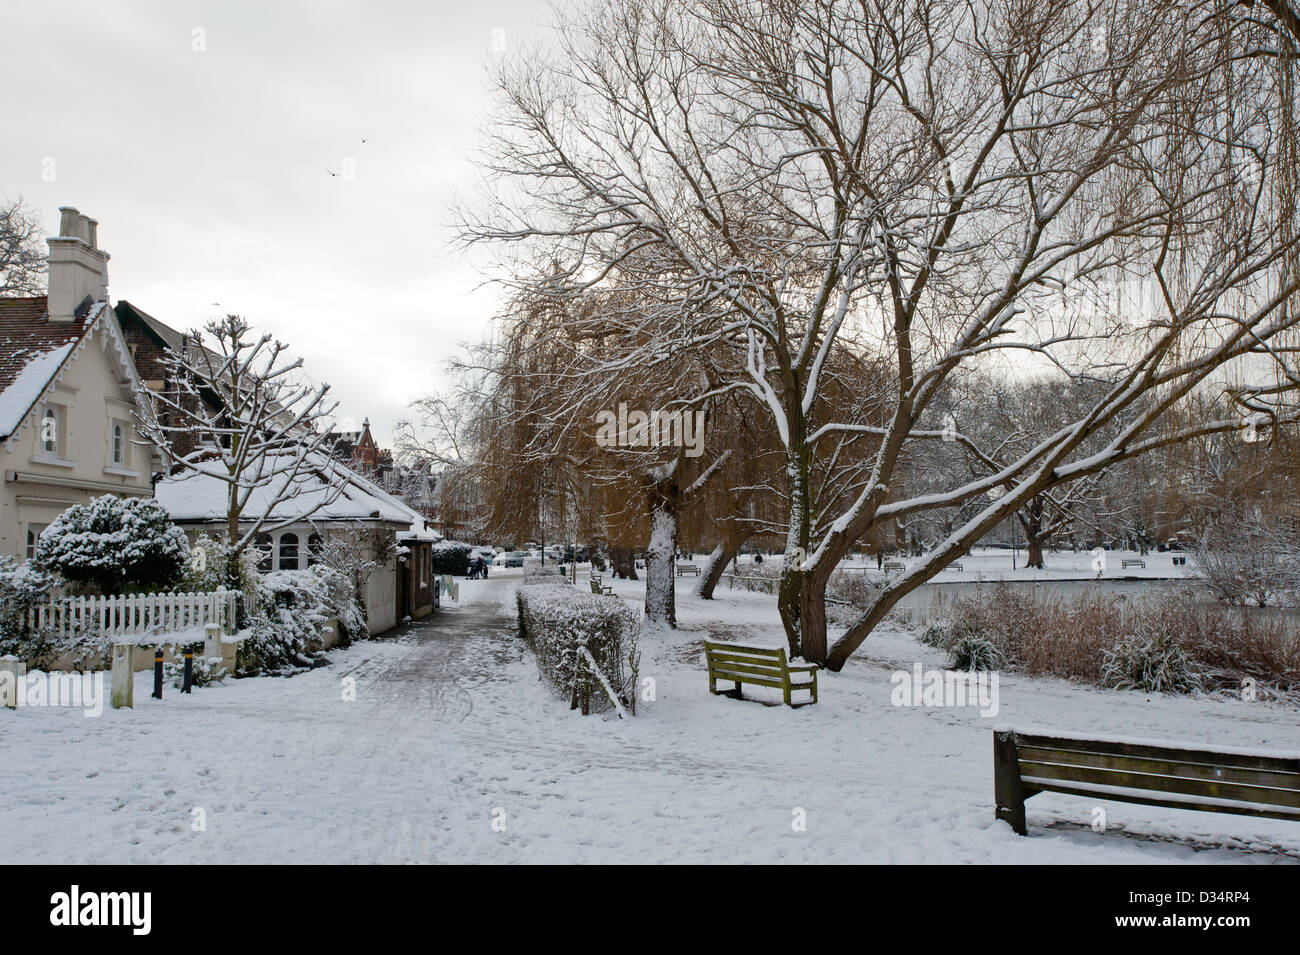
{"points": [[1008, 792]]}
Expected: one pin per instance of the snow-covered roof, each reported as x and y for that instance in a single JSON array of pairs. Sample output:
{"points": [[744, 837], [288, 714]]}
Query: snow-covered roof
{"points": [[324, 490], [33, 350]]}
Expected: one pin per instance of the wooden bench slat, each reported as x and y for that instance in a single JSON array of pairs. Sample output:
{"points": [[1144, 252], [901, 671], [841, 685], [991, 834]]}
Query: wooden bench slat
{"points": [[1092, 775], [1183, 769], [1283, 764], [1241, 809]]}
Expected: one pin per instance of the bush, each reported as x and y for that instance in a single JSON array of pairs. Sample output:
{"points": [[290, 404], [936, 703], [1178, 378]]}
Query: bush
{"points": [[973, 652], [1155, 664], [557, 621], [203, 672], [451, 557], [115, 545], [535, 572], [23, 586], [1073, 638], [285, 627]]}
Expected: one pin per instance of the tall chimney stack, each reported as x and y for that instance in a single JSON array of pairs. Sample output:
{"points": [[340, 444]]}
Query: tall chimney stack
{"points": [[78, 267]]}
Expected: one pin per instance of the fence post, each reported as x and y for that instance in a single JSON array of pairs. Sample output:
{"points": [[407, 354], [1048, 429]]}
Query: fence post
{"points": [[123, 676], [9, 680], [212, 641]]}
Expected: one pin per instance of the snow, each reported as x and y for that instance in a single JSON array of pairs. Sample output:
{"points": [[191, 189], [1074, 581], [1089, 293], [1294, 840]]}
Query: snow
{"points": [[27, 387], [450, 724], [345, 495]]}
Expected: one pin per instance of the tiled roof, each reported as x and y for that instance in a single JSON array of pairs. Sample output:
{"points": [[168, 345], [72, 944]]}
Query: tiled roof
{"points": [[32, 350]]}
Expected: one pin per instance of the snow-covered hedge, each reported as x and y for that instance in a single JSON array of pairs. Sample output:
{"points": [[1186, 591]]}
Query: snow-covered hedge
{"points": [[116, 545], [557, 621], [535, 572], [451, 557]]}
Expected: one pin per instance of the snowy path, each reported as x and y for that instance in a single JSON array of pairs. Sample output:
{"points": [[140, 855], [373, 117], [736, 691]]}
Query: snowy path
{"points": [[451, 724]]}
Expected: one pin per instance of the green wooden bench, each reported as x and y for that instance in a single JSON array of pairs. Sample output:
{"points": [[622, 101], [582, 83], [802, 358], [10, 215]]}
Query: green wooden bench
{"points": [[1154, 774], [599, 588], [739, 663]]}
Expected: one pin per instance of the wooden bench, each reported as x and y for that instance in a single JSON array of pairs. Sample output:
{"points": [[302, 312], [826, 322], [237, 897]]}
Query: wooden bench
{"points": [[599, 588], [688, 569], [893, 565], [1179, 561], [1154, 774], [955, 565], [740, 663], [1133, 562]]}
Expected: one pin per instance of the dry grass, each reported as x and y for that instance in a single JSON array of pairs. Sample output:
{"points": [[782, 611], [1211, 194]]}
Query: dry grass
{"points": [[1068, 637]]}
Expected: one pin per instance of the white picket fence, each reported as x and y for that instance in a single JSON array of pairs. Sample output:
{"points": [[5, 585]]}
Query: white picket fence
{"points": [[135, 614]]}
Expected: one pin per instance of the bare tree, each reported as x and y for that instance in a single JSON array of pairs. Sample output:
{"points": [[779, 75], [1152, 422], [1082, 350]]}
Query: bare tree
{"points": [[240, 413], [1087, 189], [22, 254]]}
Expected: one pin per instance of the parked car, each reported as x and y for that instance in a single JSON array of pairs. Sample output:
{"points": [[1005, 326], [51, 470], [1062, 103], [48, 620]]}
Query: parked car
{"points": [[511, 558]]}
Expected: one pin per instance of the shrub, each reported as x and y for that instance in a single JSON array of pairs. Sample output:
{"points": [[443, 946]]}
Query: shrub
{"points": [[23, 586], [558, 621], [1155, 664], [451, 557], [971, 651], [285, 627], [115, 545], [535, 572], [203, 672]]}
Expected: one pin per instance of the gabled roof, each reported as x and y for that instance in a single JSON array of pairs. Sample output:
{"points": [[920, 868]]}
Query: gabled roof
{"points": [[33, 352], [163, 334], [339, 493]]}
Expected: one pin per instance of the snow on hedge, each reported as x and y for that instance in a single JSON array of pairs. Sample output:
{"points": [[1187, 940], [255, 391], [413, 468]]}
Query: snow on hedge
{"points": [[557, 621], [114, 542]]}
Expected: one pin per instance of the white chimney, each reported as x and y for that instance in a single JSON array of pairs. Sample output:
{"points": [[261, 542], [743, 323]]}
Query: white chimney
{"points": [[78, 267]]}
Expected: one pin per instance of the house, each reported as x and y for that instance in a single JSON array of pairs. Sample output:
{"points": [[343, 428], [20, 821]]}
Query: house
{"points": [[336, 503], [68, 390]]}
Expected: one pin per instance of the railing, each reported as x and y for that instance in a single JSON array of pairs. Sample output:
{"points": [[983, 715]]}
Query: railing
{"points": [[127, 615]]}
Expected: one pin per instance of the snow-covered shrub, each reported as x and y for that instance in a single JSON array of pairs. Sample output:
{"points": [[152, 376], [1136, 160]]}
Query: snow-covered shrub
{"points": [[1155, 664], [284, 632], [557, 621], [1243, 559], [115, 545], [23, 586], [970, 651], [203, 672], [451, 557]]}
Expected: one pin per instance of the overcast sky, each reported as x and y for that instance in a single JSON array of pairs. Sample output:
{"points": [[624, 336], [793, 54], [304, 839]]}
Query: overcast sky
{"points": [[206, 168]]}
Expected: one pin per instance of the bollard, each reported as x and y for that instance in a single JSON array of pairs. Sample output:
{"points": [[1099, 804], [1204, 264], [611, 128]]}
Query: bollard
{"points": [[123, 694], [157, 673], [189, 671], [9, 676]]}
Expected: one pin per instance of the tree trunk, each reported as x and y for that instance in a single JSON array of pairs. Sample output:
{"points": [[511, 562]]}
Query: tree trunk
{"points": [[732, 540], [790, 597], [660, 577]]}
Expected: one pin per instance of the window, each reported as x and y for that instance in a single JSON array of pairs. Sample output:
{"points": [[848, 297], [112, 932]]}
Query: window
{"points": [[314, 544], [263, 546], [117, 443], [51, 426], [288, 552], [424, 567], [33, 532]]}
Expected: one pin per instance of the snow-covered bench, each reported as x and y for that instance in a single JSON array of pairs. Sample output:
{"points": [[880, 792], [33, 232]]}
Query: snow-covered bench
{"points": [[599, 587], [1154, 773], [1133, 562], [739, 663], [894, 565], [688, 569]]}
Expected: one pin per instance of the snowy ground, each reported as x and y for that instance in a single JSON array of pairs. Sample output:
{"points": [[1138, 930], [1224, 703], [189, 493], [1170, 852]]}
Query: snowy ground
{"points": [[451, 728]]}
